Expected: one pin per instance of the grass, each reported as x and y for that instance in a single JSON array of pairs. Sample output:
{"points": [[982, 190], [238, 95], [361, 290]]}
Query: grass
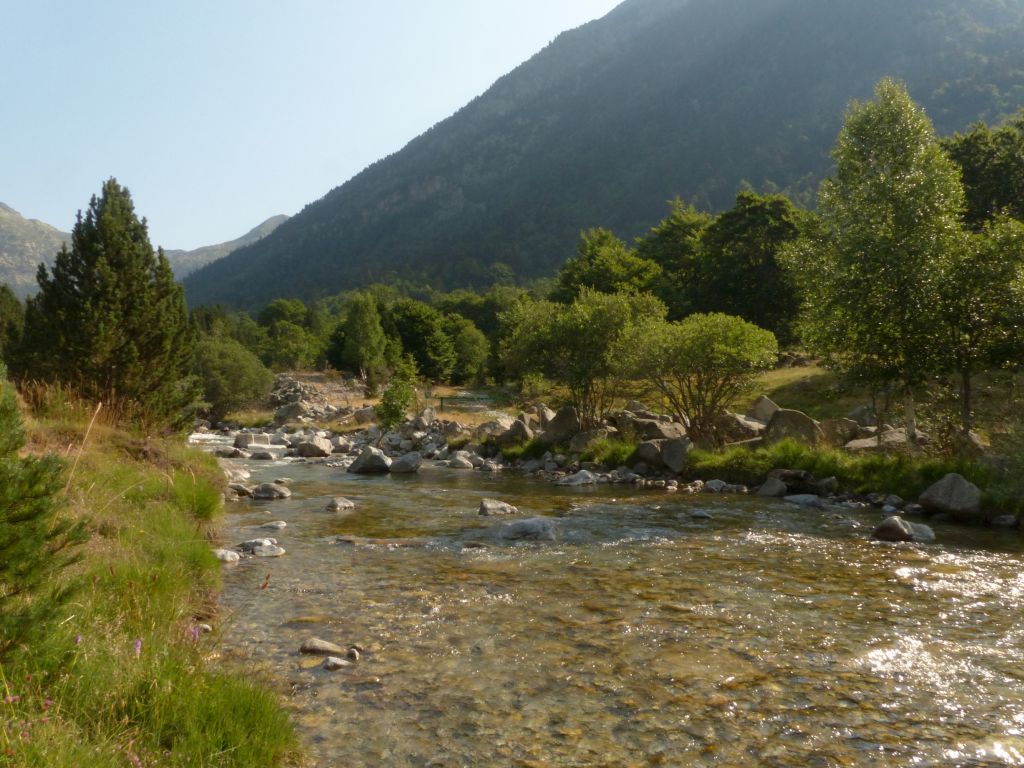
{"points": [[899, 473], [122, 678], [610, 452]]}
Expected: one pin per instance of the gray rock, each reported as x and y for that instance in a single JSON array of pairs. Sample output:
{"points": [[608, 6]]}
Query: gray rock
{"points": [[584, 440], [675, 454], [365, 415], [715, 486], [270, 491], [655, 429], [805, 500], [1004, 521], [314, 646], [490, 507], [226, 555], [407, 464], [495, 428], [700, 514], [583, 477], [460, 462], [314, 448], [773, 487], [763, 409], [895, 528], [864, 415], [796, 480], [838, 432], [268, 550], [240, 489], [333, 663], [562, 428], [531, 529], [734, 428], [370, 461], [246, 439], [649, 452], [249, 546], [956, 496], [277, 525], [793, 424], [262, 456], [517, 434]]}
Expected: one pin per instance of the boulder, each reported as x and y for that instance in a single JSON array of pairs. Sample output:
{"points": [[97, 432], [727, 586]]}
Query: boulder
{"points": [[314, 448], [494, 428], [734, 428], [649, 452], [655, 429], [895, 528], [271, 491], [839, 432], [794, 424], [796, 480], [226, 555], [562, 428], [763, 409], [531, 529], [245, 439], [955, 496], [518, 433], [370, 461], [407, 464], [340, 504], [884, 441], [268, 550], [460, 461], [773, 487], [316, 647], [675, 454], [583, 477], [805, 500], [584, 440], [864, 415], [490, 507]]}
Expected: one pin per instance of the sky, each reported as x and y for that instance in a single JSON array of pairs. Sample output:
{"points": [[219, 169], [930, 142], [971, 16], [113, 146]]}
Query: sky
{"points": [[217, 114]]}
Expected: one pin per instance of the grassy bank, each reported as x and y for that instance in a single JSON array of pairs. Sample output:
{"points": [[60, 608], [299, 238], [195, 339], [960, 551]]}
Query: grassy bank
{"points": [[124, 676]]}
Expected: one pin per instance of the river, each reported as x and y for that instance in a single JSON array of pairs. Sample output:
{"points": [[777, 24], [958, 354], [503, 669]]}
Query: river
{"points": [[766, 635]]}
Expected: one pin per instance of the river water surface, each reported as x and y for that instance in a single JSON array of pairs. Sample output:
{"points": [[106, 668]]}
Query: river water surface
{"points": [[766, 635]]}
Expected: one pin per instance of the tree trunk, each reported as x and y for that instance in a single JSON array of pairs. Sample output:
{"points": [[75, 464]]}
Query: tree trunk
{"points": [[965, 401], [910, 416]]}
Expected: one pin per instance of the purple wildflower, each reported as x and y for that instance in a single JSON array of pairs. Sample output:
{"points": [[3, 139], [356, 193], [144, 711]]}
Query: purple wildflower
{"points": [[138, 647]]}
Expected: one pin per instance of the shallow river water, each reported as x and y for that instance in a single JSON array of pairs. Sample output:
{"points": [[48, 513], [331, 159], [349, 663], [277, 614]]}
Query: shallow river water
{"points": [[766, 635]]}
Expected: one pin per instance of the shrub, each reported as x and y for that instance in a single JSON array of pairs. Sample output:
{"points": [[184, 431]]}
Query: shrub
{"points": [[230, 374]]}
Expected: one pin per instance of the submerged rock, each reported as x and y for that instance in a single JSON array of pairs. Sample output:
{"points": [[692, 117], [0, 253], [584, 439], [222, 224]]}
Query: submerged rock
{"points": [[314, 646], [270, 491], [583, 477], [339, 503], [531, 529], [407, 464]]}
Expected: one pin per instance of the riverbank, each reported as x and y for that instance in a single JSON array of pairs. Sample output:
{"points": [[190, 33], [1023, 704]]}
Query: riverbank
{"points": [[128, 672]]}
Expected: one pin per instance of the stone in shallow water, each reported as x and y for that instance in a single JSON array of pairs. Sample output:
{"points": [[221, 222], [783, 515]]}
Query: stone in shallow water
{"points": [[268, 550], [495, 507], [314, 646], [583, 477], [340, 503], [270, 491], [274, 526], [806, 500], [531, 529], [226, 555], [895, 528], [333, 663]]}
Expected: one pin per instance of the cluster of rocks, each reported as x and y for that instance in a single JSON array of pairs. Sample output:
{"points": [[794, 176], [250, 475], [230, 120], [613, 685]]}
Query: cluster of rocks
{"points": [[296, 401]]}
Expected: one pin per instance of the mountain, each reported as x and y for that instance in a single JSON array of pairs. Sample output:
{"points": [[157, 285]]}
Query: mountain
{"points": [[185, 262], [24, 243], [658, 99]]}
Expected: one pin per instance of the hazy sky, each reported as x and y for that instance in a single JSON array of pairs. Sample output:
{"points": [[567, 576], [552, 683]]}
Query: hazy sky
{"points": [[217, 114]]}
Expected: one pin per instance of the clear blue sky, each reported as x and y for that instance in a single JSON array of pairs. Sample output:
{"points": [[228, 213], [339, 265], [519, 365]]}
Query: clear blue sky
{"points": [[221, 113]]}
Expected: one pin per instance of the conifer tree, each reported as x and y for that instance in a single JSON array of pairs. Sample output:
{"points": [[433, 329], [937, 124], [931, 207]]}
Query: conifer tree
{"points": [[109, 320], [33, 543]]}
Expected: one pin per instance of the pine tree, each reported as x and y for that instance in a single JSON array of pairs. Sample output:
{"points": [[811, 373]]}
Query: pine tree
{"points": [[109, 320], [33, 543]]}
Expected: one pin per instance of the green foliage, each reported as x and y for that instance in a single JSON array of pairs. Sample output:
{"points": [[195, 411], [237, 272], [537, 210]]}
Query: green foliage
{"points": [[12, 323], [109, 318], [700, 364], [471, 350], [399, 396], [891, 227], [359, 343], [576, 345], [897, 473], [611, 452], [292, 311], [675, 245], [603, 263], [420, 328], [992, 164], [34, 542], [289, 347], [531, 449], [231, 375]]}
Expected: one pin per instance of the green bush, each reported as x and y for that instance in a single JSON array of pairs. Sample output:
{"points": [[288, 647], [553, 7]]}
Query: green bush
{"points": [[230, 374]]}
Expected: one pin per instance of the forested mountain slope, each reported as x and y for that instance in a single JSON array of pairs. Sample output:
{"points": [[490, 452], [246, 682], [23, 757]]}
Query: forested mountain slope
{"points": [[24, 243], [660, 98]]}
